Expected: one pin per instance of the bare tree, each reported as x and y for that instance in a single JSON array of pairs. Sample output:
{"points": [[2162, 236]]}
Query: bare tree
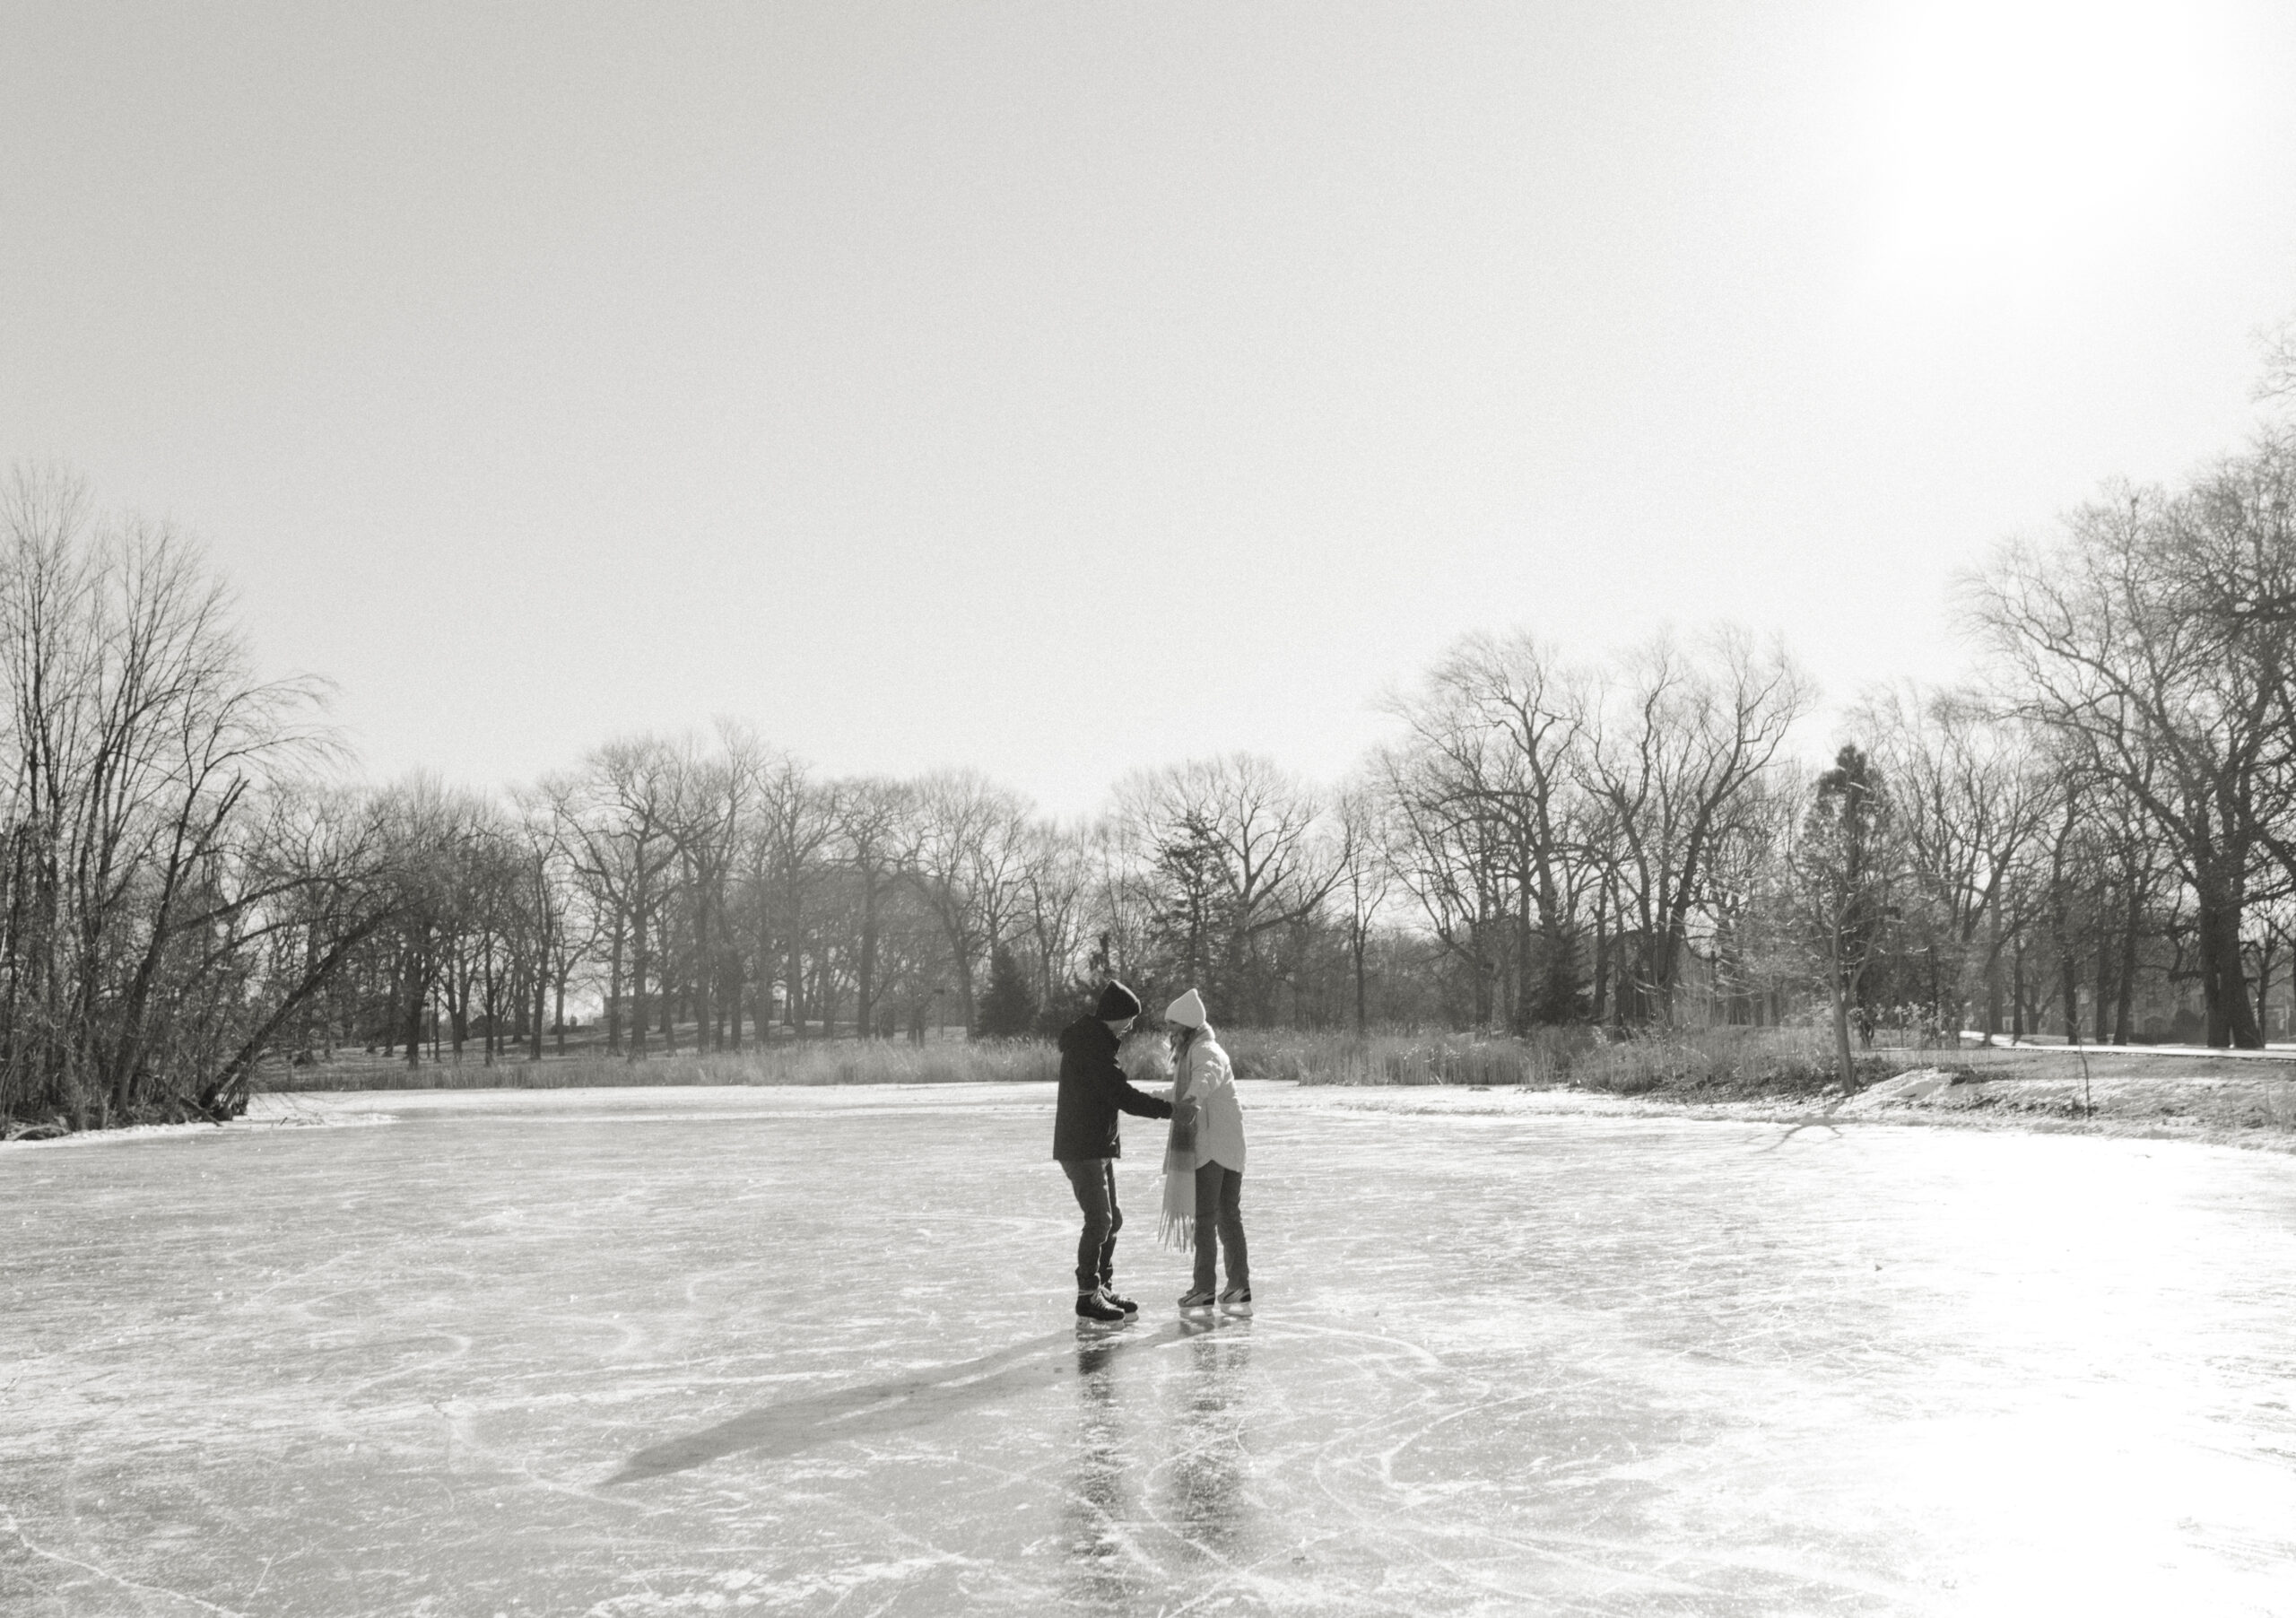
{"points": [[1676, 751], [1056, 874], [2156, 635], [1364, 837], [615, 817], [1448, 851], [784, 854], [969, 860], [1499, 732], [136, 743], [1235, 849], [876, 834], [1972, 794], [558, 939], [2277, 381], [710, 801]]}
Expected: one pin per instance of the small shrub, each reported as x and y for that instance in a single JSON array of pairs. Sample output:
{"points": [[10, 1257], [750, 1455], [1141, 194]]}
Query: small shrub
{"points": [[1392, 1057], [1712, 1061]]}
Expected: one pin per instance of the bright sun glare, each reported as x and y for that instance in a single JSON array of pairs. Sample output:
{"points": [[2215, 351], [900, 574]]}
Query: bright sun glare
{"points": [[2014, 130]]}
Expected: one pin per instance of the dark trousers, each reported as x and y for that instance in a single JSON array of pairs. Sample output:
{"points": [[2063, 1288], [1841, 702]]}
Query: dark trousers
{"points": [[1095, 1181], [1220, 1206]]}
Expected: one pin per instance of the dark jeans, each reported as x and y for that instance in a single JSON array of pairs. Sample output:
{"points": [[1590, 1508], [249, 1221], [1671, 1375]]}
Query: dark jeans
{"points": [[1220, 1206], [1094, 1180]]}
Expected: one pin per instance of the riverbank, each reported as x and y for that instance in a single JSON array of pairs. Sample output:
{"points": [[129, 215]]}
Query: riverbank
{"points": [[2244, 1099], [2255, 1112]]}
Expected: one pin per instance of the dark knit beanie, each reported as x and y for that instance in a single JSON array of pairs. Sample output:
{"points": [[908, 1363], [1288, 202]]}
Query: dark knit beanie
{"points": [[1117, 1003]]}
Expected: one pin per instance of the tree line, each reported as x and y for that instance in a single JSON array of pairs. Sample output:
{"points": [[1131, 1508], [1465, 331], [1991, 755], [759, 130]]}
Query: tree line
{"points": [[2096, 839]]}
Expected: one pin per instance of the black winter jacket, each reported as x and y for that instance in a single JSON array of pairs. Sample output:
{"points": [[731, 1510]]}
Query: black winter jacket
{"points": [[1092, 1089]]}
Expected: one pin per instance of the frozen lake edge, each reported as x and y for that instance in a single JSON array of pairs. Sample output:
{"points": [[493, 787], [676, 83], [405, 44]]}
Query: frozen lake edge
{"points": [[337, 1109], [651, 1350]]}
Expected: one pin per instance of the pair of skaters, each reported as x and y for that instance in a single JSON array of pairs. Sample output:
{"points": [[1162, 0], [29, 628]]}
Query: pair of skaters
{"points": [[1203, 1161]]}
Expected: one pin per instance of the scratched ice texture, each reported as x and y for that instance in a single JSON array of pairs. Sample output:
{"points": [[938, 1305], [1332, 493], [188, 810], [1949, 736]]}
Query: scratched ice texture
{"points": [[809, 1352]]}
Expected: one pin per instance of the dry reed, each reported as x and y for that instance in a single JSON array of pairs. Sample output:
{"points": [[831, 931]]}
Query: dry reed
{"points": [[1734, 1060], [1715, 1060], [795, 1062]]}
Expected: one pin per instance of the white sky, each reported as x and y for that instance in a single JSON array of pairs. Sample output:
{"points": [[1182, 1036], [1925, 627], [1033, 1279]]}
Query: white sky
{"points": [[1064, 388]]}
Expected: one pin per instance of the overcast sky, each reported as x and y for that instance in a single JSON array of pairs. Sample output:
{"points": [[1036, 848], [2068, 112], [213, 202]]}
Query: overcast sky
{"points": [[1064, 388]]}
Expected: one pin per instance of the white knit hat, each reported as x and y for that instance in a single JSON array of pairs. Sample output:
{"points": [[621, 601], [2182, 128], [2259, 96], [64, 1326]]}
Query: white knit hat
{"points": [[1187, 1011]]}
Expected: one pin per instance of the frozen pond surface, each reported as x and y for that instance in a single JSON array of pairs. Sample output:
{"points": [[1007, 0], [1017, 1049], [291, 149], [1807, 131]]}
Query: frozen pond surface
{"points": [[661, 1352]]}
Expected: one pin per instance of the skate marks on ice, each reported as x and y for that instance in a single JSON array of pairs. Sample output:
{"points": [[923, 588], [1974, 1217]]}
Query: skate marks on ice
{"points": [[877, 1410], [1503, 1364], [1246, 1465], [1100, 1470]]}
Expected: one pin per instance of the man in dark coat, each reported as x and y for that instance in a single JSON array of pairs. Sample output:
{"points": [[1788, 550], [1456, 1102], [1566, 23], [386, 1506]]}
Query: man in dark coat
{"points": [[1092, 1091]]}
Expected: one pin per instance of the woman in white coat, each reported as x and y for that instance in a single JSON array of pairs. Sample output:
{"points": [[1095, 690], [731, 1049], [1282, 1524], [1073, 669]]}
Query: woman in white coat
{"points": [[1202, 1076]]}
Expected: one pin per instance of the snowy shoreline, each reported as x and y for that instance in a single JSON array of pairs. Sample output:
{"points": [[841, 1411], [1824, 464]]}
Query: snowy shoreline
{"points": [[2202, 1109], [299, 1117]]}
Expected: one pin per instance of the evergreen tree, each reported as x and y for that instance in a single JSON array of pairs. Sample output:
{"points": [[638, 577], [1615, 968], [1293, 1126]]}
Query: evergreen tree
{"points": [[1008, 1010], [1845, 866]]}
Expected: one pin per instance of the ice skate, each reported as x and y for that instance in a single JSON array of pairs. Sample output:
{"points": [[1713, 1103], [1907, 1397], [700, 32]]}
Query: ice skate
{"points": [[1097, 1311], [1126, 1304], [1236, 1301], [1196, 1301]]}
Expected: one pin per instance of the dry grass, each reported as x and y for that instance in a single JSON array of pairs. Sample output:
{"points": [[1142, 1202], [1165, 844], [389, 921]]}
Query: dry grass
{"points": [[1310, 1058], [1702, 1062], [1722, 1062], [807, 1062], [2060, 1061]]}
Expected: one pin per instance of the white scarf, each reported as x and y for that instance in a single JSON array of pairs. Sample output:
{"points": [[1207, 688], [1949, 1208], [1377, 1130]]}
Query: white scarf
{"points": [[1177, 1229]]}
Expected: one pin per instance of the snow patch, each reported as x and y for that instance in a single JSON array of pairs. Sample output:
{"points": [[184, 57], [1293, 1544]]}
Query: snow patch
{"points": [[1909, 1089]]}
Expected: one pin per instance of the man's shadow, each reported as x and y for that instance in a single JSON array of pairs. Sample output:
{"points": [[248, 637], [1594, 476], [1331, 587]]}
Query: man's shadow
{"points": [[899, 1403]]}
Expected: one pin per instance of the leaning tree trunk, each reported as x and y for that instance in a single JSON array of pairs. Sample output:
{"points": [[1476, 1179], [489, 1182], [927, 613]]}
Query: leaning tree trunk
{"points": [[226, 1094]]}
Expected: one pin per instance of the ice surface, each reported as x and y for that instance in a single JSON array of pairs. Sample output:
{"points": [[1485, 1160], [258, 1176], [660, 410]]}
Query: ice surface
{"points": [[808, 1352]]}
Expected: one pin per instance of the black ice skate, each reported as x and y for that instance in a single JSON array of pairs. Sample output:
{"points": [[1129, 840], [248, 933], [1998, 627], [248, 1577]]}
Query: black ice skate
{"points": [[1126, 1304], [1237, 1300], [1092, 1307]]}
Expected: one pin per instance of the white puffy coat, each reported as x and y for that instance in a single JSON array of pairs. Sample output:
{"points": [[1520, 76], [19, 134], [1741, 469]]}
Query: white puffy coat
{"points": [[1211, 1082]]}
